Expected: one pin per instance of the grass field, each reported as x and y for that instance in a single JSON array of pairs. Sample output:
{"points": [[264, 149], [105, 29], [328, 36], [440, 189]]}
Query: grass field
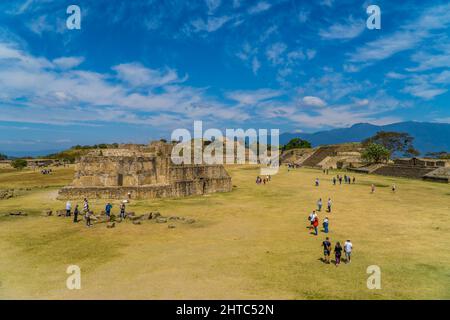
{"points": [[251, 243]]}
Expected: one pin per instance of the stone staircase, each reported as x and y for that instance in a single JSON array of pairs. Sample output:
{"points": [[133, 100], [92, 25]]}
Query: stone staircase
{"points": [[318, 156], [439, 175]]}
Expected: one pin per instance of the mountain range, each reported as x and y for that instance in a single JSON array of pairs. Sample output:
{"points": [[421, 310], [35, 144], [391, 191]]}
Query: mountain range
{"points": [[428, 136]]}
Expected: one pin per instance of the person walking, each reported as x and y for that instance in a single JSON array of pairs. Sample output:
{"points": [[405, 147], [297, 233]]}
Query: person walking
{"points": [[108, 210], [85, 205], [317, 182], [348, 247], [372, 188], [311, 218], [394, 188], [88, 218], [319, 204], [329, 203], [325, 225], [326, 250], [68, 208], [75, 214], [334, 181], [337, 253], [122, 211], [316, 225]]}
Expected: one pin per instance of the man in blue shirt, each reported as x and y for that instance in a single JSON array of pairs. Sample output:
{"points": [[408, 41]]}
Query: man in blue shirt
{"points": [[108, 210]]}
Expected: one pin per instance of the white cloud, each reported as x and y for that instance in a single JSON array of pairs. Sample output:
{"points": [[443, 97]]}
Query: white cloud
{"points": [[255, 65], [313, 101], [137, 75], [212, 5], [274, 53], [68, 62], [345, 31], [253, 97], [259, 7], [409, 36], [212, 24], [31, 85], [327, 3]]}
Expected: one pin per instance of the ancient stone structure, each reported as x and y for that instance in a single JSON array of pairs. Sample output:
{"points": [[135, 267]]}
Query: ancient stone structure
{"points": [[324, 157], [415, 168], [141, 172]]}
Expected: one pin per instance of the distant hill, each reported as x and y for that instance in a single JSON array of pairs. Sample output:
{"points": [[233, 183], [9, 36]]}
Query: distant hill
{"points": [[428, 137]]}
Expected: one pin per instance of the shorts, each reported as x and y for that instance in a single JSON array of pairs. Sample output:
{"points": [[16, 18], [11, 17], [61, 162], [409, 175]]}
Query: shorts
{"points": [[348, 254], [326, 252]]}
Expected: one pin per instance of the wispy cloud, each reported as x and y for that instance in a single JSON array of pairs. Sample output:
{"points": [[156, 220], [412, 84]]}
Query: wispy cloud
{"points": [[259, 7], [350, 29], [408, 36]]}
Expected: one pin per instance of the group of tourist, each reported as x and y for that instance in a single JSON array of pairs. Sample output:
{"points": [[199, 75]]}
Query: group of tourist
{"points": [[345, 178], [347, 248], [46, 171], [88, 213], [313, 219], [264, 180]]}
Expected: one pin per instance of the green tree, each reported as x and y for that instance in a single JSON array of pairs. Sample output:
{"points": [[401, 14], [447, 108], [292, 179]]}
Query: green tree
{"points": [[296, 143], [375, 153], [3, 156], [19, 164], [395, 142]]}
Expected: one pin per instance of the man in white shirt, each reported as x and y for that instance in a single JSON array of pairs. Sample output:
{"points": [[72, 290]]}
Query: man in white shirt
{"points": [[348, 246], [68, 208]]}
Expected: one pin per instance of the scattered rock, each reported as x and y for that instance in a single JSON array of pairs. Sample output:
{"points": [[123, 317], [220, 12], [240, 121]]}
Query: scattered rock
{"points": [[111, 225], [161, 220], [48, 212], [61, 213], [19, 213], [130, 214], [136, 222], [190, 221], [171, 226], [135, 218], [6, 194], [155, 215]]}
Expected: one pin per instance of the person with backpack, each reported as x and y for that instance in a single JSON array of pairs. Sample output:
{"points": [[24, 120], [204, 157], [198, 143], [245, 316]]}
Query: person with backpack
{"points": [[326, 250]]}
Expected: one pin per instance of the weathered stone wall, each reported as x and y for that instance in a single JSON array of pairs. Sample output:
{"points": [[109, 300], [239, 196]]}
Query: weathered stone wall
{"points": [[176, 189], [113, 173]]}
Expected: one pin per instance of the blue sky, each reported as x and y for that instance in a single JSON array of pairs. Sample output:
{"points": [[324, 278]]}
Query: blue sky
{"points": [[139, 69]]}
